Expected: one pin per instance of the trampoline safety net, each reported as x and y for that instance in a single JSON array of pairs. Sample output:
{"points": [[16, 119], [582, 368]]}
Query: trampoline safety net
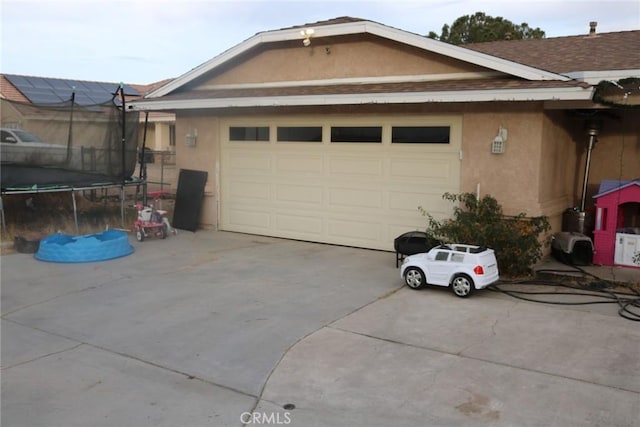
{"points": [[66, 144]]}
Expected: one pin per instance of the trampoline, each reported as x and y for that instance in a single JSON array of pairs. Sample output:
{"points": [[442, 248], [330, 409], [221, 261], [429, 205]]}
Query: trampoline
{"points": [[82, 143]]}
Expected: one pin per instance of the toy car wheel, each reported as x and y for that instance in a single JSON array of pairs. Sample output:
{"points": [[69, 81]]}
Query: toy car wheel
{"points": [[462, 285], [414, 278], [139, 234]]}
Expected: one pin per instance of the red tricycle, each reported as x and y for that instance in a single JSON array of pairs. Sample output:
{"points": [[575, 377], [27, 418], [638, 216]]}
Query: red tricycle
{"points": [[151, 221]]}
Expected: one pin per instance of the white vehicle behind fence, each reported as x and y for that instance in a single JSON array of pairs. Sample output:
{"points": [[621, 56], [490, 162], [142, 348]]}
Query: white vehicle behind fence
{"points": [[464, 268], [24, 148]]}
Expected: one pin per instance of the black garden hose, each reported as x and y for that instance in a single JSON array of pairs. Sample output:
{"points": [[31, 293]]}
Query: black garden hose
{"points": [[591, 289]]}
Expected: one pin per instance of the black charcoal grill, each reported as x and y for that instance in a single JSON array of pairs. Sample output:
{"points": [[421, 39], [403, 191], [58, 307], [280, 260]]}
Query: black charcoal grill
{"points": [[413, 242]]}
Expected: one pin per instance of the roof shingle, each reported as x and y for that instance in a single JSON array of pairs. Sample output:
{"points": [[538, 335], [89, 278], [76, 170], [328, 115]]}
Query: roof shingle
{"points": [[599, 52], [406, 87]]}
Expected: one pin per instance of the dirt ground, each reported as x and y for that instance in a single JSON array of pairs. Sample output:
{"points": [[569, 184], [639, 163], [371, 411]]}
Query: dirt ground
{"points": [[31, 217]]}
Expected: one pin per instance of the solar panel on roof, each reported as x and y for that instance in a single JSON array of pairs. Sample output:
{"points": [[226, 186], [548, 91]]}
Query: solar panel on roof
{"points": [[81, 87], [83, 99], [45, 90], [17, 81], [38, 95], [39, 83], [60, 84]]}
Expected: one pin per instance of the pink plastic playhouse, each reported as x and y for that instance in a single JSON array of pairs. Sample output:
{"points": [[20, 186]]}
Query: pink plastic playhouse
{"points": [[617, 229]]}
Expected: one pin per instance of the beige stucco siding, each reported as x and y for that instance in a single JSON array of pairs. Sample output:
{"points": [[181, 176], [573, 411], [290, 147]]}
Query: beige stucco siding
{"points": [[203, 156], [617, 152], [513, 178], [557, 167], [339, 57]]}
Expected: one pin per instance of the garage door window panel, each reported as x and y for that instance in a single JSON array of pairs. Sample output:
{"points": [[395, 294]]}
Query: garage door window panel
{"points": [[249, 133], [421, 135], [366, 134], [299, 133]]}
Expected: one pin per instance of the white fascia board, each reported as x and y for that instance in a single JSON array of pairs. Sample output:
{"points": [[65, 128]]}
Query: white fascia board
{"points": [[360, 27], [595, 77], [204, 68], [553, 94]]}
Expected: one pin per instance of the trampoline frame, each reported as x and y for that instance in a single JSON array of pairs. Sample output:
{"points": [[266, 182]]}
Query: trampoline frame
{"points": [[73, 190]]}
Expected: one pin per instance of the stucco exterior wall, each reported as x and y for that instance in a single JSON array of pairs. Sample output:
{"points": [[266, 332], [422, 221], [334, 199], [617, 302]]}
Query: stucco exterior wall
{"points": [[150, 138], [559, 186], [529, 177], [335, 57], [513, 178], [617, 152], [202, 156], [9, 116]]}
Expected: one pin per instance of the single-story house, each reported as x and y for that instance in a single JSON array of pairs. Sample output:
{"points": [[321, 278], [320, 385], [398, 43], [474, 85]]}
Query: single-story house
{"points": [[338, 131]]}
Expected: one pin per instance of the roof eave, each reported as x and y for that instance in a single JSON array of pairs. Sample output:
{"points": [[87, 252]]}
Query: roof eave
{"points": [[362, 27], [510, 95]]}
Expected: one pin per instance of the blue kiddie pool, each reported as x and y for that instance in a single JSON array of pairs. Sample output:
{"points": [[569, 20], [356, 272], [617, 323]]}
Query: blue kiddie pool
{"points": [[87, 248]]}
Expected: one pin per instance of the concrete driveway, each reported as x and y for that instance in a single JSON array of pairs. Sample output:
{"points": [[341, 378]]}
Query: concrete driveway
{"points": [[225, 329]]}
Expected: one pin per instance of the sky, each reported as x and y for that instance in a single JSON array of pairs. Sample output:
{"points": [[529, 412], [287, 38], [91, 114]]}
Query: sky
{"points": [[145, 41]]}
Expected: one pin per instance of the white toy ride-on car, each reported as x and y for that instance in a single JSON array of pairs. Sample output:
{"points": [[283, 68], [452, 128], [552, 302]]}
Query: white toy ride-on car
{"points": [[464, 268]]}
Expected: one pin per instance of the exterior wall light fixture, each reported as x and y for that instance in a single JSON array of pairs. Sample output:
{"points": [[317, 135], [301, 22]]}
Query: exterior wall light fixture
{"points": [[499, 142], [191, 137], [307, 34]]}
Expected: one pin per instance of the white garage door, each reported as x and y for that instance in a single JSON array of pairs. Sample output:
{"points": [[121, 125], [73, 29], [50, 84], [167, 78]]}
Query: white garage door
{"points": [[337, 179]]}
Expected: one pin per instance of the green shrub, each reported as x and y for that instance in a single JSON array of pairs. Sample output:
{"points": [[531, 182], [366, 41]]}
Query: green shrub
{"points": [[515, 239]]}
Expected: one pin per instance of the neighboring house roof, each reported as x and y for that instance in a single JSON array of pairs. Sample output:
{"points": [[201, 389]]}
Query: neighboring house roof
{"points": [[9, 92], [145, 89], [154, 116], [87, 93], [574, 56], [47, 90]]}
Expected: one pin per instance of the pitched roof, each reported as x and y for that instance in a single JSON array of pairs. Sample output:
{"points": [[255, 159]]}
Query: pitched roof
{"points": [[144, 89], [563, 68], [9, 92], [563, 55], [333, 21], [397, 87], [47, 90], [477, 90], [347, 26]]}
